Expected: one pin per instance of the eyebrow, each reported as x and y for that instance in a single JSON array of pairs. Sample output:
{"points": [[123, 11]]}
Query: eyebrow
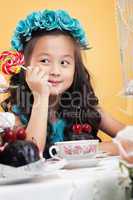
{"points": [[67, 55], [43, 54], [46, 54]]}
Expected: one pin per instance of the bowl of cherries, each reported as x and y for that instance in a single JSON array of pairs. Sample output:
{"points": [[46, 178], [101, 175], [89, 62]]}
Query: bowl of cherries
{"points": [[15, 150]]}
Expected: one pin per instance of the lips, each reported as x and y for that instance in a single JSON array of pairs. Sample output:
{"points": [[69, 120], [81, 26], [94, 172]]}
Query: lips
{"points": [[54, 82]]}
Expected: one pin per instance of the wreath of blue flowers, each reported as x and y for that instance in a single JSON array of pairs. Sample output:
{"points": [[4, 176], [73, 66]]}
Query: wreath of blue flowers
{"points": [[48, 20]]}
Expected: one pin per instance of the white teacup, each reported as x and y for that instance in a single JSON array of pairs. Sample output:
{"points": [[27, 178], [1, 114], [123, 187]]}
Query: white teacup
{"points": [[75, 149]]}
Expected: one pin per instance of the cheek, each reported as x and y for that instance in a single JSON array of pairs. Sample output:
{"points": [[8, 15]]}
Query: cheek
{"points": [[45, 69], [41, 67], [68, 77]]}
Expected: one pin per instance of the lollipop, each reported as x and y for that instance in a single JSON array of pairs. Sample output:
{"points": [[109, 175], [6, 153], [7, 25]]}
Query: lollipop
{"points": [[11, 62]]}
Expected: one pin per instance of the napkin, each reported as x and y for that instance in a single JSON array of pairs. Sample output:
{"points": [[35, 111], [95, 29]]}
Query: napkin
{"points": [[7, 120]]}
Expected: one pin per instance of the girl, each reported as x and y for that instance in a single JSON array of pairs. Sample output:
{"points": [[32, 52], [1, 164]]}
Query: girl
{"points": [[55, 99]]}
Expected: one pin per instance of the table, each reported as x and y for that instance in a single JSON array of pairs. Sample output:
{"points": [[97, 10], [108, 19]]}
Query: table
{"points": [[104, 182]]}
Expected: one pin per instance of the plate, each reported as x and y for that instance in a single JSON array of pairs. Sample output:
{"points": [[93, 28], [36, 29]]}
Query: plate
{"points": [[41, 168], [102, 154], [81, 163]]}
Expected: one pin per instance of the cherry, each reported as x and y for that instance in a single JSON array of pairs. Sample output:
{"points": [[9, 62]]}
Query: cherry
{"points": [[6, 130], [21, 134], [86, 128], [77, 128], [8, 135]]}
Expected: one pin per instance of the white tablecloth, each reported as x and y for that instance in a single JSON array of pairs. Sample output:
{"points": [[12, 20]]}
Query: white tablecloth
{"points": [[104, 182]]}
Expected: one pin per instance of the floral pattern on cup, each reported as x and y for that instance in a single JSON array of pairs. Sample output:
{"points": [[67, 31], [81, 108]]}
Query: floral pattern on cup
{"points": [[74, 149], [79, 150]]}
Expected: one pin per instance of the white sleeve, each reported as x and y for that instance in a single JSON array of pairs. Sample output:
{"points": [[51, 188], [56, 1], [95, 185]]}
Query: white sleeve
{"points": [[7, 120], [126, 133]]}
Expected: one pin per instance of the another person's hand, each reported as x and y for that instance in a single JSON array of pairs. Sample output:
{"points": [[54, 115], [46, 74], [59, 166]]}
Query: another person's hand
{"points": [[124, 142], [125, 148], [109, 147]]}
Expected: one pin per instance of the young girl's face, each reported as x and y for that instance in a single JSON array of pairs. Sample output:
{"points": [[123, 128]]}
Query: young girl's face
{"points": [[55, 55]]}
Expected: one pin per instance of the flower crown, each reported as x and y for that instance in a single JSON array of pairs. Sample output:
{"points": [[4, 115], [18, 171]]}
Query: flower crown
{"points": [[47, 20]]}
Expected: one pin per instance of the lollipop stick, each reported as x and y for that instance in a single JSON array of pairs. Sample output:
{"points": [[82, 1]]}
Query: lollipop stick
{"points": [[25, 68]]}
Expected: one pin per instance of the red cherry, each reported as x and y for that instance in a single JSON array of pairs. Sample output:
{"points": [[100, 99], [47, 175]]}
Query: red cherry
{"points": [[86, 128], [9, 136], [77, 128], [21, 134], [6, 130]]}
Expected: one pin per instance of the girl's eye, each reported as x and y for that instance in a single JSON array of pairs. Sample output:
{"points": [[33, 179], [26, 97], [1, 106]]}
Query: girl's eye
{"points": [[45, 61], [65, 62]]}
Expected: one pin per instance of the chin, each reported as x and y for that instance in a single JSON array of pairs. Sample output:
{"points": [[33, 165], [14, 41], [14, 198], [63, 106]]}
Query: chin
{"points": [[56, 91]]}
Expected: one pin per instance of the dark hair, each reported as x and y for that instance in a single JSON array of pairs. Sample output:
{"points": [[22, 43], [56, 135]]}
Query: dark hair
{"points": [[81, 107]]}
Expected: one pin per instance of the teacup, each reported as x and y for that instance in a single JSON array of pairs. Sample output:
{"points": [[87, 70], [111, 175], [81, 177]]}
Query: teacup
{"points": [[74, 149]]}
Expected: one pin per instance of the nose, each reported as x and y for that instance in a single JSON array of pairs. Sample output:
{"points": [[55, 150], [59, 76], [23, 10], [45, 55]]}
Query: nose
{"points": [[55, 70]]}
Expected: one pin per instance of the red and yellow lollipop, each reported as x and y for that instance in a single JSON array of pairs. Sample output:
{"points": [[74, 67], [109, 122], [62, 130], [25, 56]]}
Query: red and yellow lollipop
{"points": [[11, 62]]}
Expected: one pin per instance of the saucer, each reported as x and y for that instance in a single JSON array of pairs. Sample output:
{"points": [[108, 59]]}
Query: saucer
{"points": [[81, 163]]}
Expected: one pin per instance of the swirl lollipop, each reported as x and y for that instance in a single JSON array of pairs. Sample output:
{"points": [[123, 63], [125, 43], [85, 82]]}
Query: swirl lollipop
{"points": [[11, 62]]}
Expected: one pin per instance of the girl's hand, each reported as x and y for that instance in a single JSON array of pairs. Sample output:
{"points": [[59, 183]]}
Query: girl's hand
{"points": [[37, 81]]}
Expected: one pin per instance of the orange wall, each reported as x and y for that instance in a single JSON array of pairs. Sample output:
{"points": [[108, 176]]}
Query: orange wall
{"points": [[103, 61]]}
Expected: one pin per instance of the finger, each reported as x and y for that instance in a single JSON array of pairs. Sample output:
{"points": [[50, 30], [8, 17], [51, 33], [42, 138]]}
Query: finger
{"points": [[45, 77], [33, 73], [35, 70], [29, 68], [29, 71], [41, 74]]}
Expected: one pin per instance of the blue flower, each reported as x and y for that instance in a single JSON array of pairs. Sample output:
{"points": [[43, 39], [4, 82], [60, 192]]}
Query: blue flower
{"points": [[16, 44], [47, 20], [23, 28], [32, 19], [79, 34], [64, 20], [38, 22]]}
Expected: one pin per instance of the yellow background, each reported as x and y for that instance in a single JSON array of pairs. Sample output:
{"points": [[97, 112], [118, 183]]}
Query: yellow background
{"points": [[103, 61]]}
